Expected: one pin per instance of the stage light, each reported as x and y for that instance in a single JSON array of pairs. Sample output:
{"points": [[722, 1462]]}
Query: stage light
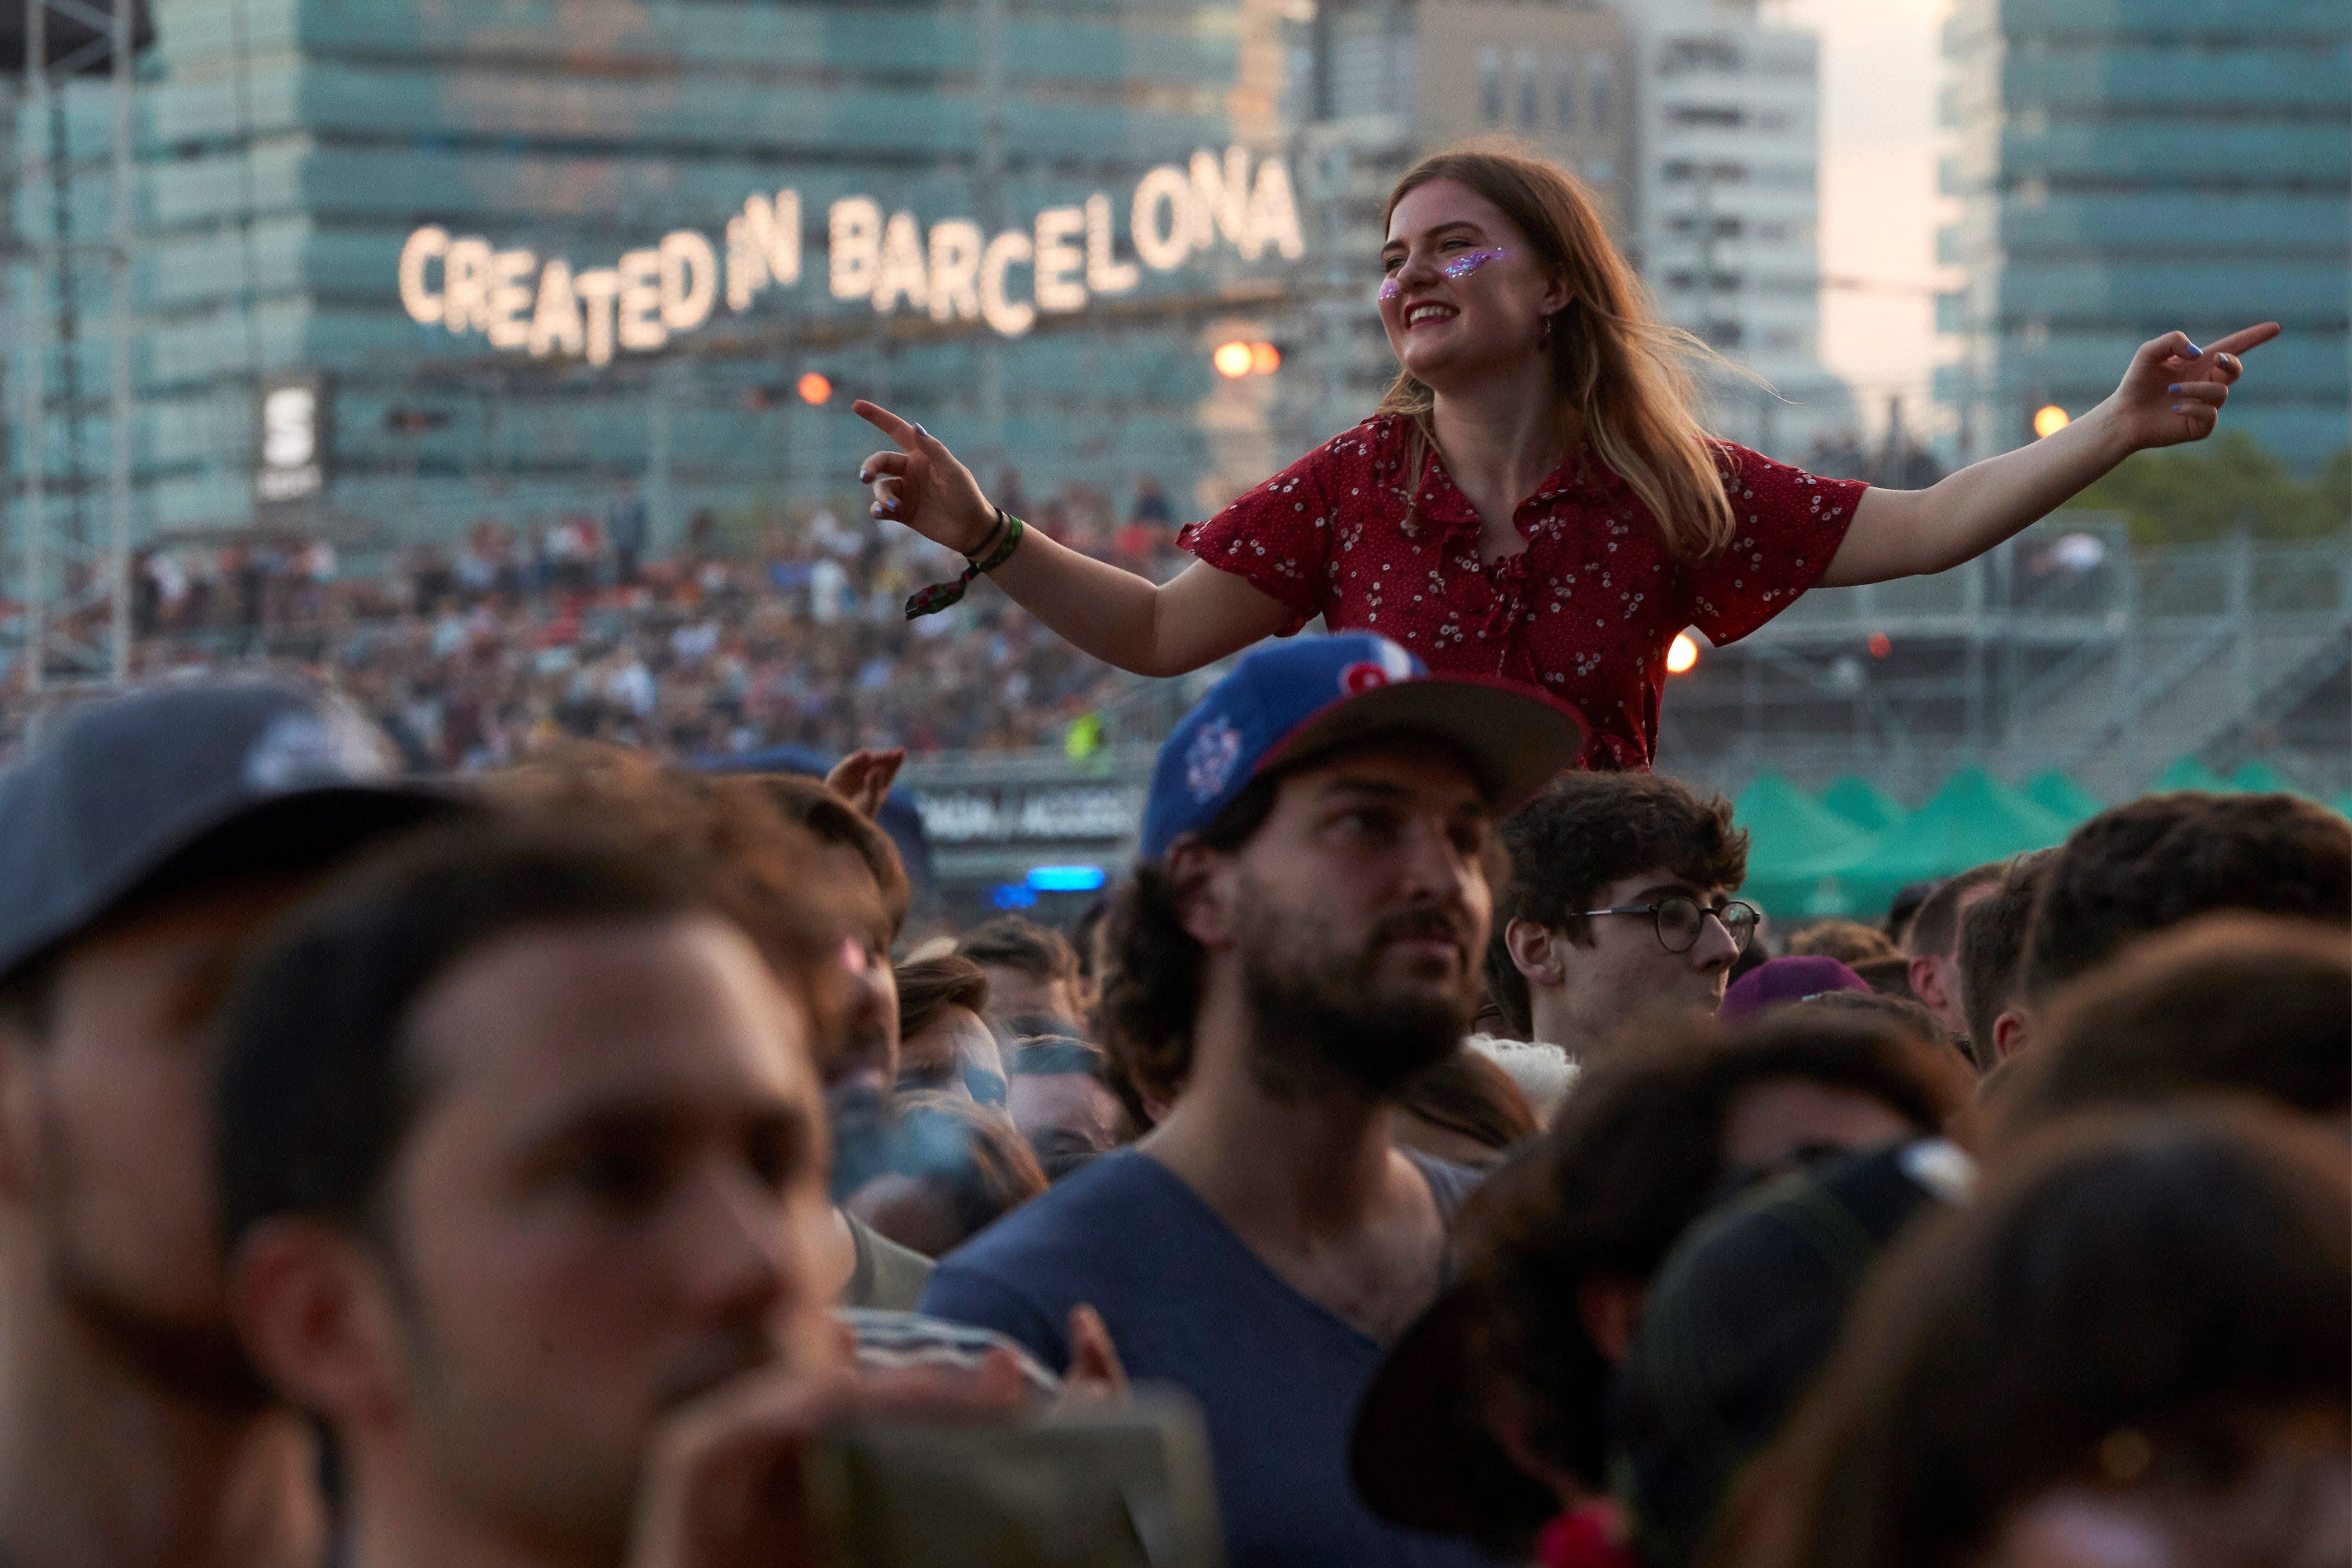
{"points": [[1013, 896], [1881, 645], [2049, 419], [1682, 654], [1265, 359], [1232, 360], [814, 389], [1066, 879]]}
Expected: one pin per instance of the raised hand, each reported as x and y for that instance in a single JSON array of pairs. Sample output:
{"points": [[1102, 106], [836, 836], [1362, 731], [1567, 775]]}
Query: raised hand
{"points": [[923, 486], [2173, 391]]}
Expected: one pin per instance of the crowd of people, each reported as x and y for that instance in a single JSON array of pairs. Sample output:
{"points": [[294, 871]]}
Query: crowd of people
{"points": [[572, 1164], [741, 638]]}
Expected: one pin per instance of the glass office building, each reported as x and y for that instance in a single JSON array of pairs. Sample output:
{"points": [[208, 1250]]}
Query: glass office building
{"points": [[2124, 167], [510, 254]]}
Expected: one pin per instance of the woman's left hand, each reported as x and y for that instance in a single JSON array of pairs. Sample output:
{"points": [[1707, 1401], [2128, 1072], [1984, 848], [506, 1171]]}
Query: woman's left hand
{"points": [[2174, 390]]}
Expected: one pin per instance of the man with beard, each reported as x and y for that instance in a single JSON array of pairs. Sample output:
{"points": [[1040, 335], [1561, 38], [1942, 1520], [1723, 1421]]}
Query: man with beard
{"points": [[144, 845], [1300, 937], [523, 1168]]}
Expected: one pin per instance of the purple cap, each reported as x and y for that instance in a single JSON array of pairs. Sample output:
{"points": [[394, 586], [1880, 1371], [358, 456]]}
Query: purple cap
{"points": [[1778, 981]]}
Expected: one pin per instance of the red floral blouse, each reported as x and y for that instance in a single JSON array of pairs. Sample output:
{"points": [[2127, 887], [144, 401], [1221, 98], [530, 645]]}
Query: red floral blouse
{"points": [[1585, 612]]}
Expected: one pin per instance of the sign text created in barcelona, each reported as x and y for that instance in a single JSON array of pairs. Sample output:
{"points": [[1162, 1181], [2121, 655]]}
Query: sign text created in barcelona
{"points": [[524, 303]]}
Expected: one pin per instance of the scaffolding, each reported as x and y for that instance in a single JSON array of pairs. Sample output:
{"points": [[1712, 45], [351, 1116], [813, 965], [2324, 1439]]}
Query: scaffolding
{"points": [[73, 590]]}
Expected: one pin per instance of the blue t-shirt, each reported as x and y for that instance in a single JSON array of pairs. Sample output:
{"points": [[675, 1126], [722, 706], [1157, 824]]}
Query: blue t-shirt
{"points": [[1277, 1375]]}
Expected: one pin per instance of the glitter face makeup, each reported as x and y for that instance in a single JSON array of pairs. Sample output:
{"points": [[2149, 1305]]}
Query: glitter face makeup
{"points": [[1390, 289], [1463, 265]]}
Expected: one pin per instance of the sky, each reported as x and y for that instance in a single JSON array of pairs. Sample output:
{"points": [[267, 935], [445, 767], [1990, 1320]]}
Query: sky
{"points": [[1880, 73]]}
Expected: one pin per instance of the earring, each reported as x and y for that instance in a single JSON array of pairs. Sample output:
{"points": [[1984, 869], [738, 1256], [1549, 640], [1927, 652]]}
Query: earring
{"points": [[1543, 338]]}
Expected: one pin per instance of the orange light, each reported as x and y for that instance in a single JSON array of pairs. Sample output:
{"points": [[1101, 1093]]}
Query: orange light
{"points": [[814, 389], [1881, 645], [1232, 359], [2049, 419], [1265, 359], [1682, 654]]}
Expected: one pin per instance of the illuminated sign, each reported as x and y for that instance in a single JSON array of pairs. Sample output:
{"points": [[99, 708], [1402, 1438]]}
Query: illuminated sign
{"points": [[524, 303], [291, 440]]}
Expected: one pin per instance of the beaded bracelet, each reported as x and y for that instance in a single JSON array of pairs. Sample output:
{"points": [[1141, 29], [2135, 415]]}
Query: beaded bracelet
{"points": [[939, 596]]}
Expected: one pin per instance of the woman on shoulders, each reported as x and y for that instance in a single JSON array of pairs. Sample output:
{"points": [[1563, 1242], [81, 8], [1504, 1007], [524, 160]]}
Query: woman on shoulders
{"points": [[1534, 497]]}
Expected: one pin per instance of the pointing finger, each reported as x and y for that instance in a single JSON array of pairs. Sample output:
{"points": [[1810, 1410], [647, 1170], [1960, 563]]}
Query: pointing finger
{"points": [[889, 424], [2245, 338]]}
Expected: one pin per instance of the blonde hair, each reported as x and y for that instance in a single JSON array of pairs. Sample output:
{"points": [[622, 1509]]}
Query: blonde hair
{"points": [[1612, 360]]}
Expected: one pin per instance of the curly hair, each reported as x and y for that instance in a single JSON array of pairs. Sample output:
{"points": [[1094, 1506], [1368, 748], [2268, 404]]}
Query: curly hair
{"points": [[1588, 830], [1152, 988], [2156, 861], [1633, 1158]]}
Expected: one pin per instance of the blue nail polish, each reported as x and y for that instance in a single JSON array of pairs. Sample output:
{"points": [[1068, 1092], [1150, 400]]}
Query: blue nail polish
{"points": [[2174, 387], [2176, 408], [866, 479], [2196, 352], [920, 431], [893, 506]]}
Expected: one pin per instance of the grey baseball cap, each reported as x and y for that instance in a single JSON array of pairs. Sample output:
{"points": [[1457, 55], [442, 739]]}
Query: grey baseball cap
{"points": [[180, 785]]}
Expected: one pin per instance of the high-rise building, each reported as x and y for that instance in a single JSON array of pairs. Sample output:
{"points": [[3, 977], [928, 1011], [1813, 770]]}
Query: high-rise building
{"points": [[2127, 167], [1726, 190], [404, 265]]}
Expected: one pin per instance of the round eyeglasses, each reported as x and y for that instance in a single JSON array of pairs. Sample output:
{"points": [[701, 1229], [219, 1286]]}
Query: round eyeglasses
{"points": [[1679, 921]]}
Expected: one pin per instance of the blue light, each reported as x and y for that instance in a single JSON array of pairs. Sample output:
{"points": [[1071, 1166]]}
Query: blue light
{"points": [[1066, 879], [1011, 896]]}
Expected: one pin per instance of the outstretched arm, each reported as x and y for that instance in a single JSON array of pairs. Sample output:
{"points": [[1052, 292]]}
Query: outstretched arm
{"points": [[2172, 393], [1149, 629]]}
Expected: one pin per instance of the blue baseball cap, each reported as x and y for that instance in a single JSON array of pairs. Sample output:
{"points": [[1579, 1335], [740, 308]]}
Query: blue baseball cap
{"points": [[1290, 700]]}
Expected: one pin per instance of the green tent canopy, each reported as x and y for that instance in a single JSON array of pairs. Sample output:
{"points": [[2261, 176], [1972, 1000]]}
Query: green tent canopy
{"points": [[2258, 778], [1972, 820], [2061, 796], [1795, 843], [2188, 772], [1863, 804]]}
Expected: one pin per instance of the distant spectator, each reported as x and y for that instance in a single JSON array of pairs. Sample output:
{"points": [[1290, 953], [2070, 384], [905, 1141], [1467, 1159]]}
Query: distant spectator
{"points": [[1904, 912], [2130, 1348], [1991, 958], [1061, 1100], [1029, 968], [2155, 862], [944, 1042], [1935, 944], [2225, 1004], [1465, 1109], [1662, 861], [956, 1168], [1849, 942]]}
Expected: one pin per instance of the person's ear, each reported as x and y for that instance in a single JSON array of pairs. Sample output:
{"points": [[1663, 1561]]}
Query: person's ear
{"points": [[1610, 1307], [1201, 881], [1558, 295], [1927, 981], [312, 1306], [1534, 950], [1507, 1422], [2011, 1032]]}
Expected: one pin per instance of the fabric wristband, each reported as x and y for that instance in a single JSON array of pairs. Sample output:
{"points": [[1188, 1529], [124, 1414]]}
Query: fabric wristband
{"points": [[939, 596]]}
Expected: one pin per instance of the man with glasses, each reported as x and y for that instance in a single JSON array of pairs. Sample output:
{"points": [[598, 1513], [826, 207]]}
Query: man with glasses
{"points": [[1620, 906]]}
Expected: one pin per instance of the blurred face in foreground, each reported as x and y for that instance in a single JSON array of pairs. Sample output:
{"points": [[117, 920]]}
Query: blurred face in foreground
{"points": [[107, 1136], [1357, 911], [610, 1202]]}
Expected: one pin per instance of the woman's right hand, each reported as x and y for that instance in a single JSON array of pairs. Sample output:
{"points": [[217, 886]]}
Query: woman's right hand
{"points": [[923, 486]]}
